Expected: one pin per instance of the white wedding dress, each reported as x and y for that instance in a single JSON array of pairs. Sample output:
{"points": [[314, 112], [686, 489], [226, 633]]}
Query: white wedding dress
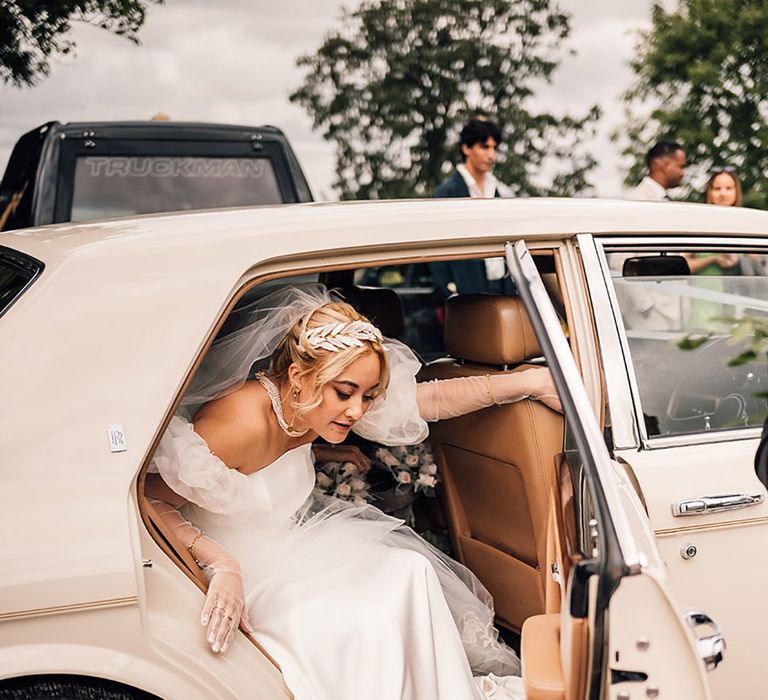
{"points": [[348, 601]]}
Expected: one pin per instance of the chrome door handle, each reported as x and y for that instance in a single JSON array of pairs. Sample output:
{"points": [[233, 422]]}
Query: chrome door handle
{"points": [[715, 504], [711, 647]]}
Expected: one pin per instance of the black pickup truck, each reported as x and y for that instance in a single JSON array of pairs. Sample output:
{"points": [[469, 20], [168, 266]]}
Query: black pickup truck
{"points": [[83, 171]]}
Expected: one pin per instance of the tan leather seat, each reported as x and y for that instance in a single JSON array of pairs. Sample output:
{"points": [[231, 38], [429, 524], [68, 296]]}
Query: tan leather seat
{"points": [[498, 464]]}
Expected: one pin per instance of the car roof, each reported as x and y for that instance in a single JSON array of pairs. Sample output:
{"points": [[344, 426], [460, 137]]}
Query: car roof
{"points": [[165, 129], [291, 229]]}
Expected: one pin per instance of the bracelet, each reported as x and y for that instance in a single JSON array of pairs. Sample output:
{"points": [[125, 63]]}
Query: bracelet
{"points": [[488, 389], [193, 544]]}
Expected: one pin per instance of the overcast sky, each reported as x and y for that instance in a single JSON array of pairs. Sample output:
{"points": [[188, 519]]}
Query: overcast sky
{"points": [[234, 61]]}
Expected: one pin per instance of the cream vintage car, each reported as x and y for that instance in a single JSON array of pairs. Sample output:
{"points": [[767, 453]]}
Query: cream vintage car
{"points": [[623, 543]]}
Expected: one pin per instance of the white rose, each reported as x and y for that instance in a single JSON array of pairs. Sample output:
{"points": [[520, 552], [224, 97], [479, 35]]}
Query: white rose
{"points": [[426, 481], [359, 501], [411, 460], [403, 477], [357, 484], [323, 480], [331, 467], [349, 469], [343, 489], [387, 458], [430, 468]]}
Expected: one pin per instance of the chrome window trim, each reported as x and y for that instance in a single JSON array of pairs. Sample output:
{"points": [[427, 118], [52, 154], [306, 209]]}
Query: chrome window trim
{"points": [[620, 397], [674, 242], [664, 243], [662, 442]]}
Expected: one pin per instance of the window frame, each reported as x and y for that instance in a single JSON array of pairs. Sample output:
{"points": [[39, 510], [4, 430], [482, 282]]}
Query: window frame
{"points": [[624, 396], [30, 267]]}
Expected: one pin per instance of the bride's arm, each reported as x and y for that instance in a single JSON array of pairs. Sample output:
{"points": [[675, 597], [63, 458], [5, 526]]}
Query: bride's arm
{"points": [[224, 605], [156, 489], [449, 398]]}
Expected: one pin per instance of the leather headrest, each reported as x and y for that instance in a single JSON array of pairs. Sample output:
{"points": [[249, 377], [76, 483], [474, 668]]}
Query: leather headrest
{"points": [[489, 329], [381, 305]]}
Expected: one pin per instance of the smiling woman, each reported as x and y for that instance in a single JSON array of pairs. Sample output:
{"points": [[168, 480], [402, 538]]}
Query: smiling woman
{"points": [[312, 575]]}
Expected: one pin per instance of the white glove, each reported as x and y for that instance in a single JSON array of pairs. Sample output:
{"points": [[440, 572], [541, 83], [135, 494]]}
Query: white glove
{"points": [[224, 607]]}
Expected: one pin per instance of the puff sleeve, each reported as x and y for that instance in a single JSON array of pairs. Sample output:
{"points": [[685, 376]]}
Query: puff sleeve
{"points": [[188, 466], [395, 419]]}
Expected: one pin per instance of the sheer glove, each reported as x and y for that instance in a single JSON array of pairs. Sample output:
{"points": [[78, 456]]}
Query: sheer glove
{"points": [[224, 605], [448, 398]]}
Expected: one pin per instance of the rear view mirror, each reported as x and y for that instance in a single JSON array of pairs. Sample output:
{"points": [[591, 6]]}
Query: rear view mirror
{"points": [[656, 266]]}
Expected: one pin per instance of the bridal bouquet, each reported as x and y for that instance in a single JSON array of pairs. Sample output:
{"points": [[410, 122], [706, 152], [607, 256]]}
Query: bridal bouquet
{"points": [[341, 480], [411, 466]]}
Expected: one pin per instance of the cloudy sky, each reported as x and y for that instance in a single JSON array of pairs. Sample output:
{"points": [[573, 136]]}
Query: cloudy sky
{"points": [[233, 61]]}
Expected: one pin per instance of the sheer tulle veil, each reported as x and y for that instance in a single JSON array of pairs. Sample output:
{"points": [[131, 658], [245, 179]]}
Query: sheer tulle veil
{"points": [[258, 329]]}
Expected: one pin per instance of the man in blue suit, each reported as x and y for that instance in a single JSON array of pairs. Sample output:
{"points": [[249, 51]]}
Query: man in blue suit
{"points": [[472, 178]]}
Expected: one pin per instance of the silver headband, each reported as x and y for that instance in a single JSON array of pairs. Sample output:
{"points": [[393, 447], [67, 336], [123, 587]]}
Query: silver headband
{"points": [[340, 336]]}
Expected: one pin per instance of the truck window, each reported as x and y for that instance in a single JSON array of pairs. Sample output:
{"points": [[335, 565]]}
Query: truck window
{"points": [[111, 185]]}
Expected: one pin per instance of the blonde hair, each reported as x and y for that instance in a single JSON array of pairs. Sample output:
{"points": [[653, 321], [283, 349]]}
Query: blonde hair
{"points": [[318, 364], [736, 184]]}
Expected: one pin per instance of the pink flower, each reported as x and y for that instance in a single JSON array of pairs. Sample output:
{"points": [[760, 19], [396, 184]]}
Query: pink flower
{"points": [[343, 490], [357, 484], [403, 478]]}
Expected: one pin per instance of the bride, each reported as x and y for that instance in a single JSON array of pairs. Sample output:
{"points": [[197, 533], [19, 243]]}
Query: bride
{"points": [[348, 601]]}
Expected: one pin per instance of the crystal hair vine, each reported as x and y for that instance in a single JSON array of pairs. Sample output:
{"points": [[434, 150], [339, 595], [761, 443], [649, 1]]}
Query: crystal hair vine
{"points": [[340, 336]]}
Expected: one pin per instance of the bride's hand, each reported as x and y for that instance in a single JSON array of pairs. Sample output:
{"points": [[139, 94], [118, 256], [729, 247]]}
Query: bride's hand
{"points": [[224, 608], [542, 388], [343, 453]]}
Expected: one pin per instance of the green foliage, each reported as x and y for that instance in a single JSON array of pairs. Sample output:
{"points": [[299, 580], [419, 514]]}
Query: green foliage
{"points": [[31, 31], [394, 84], [702, 80], [748, 332]]}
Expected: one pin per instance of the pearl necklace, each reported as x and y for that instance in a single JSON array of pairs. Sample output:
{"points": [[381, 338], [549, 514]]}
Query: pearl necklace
{"points": [[277, 406]]}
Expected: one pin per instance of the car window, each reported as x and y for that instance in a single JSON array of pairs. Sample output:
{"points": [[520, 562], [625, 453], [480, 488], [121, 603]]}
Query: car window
{"points": [[17, 272], [424, 287], [106, 186], [687, 327]]}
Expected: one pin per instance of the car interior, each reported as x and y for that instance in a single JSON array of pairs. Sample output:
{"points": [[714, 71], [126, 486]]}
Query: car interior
{"points": [[509, 500]]}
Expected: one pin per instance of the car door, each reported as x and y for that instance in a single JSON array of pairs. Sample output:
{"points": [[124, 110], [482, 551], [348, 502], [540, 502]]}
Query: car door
{"points": [[686, 426], [637, 642]]}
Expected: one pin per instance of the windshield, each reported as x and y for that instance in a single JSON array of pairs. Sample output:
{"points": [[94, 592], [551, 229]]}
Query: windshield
{"points": [[107, 186], [690, 339]]}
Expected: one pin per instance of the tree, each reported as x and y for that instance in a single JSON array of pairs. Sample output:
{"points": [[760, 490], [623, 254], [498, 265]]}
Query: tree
{"points": [[32, 31], [393, 86], [703, 68]]}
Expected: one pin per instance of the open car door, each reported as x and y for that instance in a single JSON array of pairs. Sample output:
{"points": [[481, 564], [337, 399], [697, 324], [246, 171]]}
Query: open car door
{"points": [[614, 631]]}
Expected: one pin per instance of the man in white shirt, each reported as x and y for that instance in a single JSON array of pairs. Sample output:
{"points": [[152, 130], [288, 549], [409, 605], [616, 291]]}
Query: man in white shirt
{"points": [[666, 169], [643, 307]]}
